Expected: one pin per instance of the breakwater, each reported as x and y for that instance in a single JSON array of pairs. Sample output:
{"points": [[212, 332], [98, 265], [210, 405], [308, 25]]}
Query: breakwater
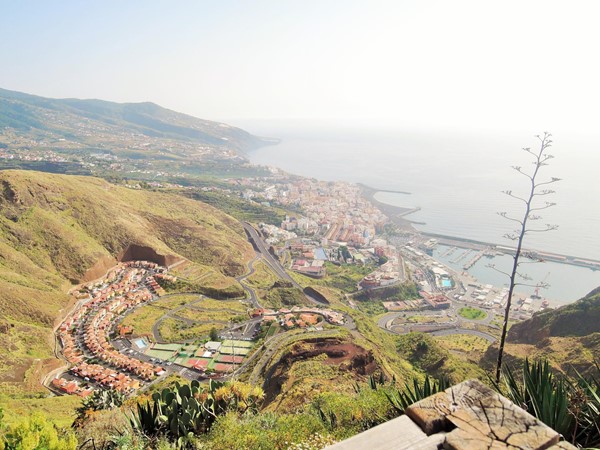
{"points": [[481, 246]]}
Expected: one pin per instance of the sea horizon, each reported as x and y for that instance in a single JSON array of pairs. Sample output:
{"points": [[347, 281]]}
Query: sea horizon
{"points": [[456, 180]]}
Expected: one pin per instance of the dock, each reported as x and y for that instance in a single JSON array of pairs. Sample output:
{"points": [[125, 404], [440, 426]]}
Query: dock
{"points": [[489, 248]]}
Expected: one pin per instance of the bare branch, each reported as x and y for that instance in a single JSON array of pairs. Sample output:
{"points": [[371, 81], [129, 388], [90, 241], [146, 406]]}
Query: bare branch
{"points": [[541, 230], [553, 180], [540, 160], [510, 194], [493, 267], [504, 214], [546, 206]]}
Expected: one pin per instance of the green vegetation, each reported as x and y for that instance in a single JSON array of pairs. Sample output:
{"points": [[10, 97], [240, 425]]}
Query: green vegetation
{"points": [[212, 315], [239, 208], [405, 291], [575, 320], [568, 337], [403, 398], [221, 416], [35, 432], [202, 279], [344, 277], [268, 430], [570, 406], [56, 230], [143, 319], [465, 343], [370, 301], [278, 297], [60, 409], [173, 330], [372, 308], [180, 413], [263, 277], [468, 312], [424, 352]]}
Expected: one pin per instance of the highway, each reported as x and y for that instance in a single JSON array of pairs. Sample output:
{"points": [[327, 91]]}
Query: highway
{"points": [[272, 262]]}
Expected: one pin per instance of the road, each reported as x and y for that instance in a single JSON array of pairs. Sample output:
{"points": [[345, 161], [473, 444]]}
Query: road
{"points": [[451, 326], [480, 334], [242, 280], [273, 263]]}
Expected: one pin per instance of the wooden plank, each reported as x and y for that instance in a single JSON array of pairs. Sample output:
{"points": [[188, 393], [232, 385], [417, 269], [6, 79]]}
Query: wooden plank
{"points": [[480, 418], [397, 434]]}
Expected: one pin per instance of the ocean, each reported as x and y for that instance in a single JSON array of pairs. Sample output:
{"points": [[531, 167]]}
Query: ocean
{"points": [[456, 179]]}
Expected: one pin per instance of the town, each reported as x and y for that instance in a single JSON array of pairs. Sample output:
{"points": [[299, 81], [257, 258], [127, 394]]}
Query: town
{"points": [[101, 353]]}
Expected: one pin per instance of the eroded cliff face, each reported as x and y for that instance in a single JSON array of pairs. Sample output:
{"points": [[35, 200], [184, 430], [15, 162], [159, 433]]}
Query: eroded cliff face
{"points": [[98, 269], [135, 252]]}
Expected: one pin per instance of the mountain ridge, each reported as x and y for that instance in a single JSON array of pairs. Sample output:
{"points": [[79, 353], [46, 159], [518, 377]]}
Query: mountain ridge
{"points": [[28, 112]]}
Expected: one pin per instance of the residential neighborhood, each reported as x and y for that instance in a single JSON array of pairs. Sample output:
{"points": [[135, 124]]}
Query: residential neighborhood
{"points": [[84, 334]]}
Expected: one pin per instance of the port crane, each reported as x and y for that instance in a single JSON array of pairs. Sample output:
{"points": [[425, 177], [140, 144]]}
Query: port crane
{"points": [[539, 285]]}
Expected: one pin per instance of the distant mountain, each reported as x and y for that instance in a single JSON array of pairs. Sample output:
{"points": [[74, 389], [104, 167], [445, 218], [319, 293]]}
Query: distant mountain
{"points": [[569, 336], [86, 121]]}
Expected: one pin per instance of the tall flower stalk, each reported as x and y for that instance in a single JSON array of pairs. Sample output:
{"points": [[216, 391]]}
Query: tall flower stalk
{"points": [[532, 205]]}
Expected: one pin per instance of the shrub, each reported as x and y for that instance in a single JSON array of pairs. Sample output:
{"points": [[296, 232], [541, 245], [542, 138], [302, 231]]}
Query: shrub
{"points": [[36, 433]]}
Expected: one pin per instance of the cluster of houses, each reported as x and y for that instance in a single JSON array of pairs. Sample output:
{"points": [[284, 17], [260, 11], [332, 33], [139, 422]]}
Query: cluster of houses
{"points": [[308, 258], [299, 317], [387, 273], [275, 234], [86, 331], [71, 387]]}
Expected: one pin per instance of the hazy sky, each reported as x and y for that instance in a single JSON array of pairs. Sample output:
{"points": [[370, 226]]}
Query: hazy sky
{"points": [[483, 64]]}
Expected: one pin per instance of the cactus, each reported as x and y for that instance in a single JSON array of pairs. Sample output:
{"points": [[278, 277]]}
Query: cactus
{"points": [[185, 410]]}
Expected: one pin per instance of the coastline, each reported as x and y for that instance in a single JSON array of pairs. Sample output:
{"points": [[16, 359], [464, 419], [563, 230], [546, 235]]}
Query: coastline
{"points": [[396, 214]]}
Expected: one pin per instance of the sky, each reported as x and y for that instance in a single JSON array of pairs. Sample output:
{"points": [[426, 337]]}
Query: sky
{"points": [[462, 64]]}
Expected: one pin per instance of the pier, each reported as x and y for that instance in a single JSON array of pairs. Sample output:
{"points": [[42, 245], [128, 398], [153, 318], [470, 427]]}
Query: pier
{"points": [[489, 247]]}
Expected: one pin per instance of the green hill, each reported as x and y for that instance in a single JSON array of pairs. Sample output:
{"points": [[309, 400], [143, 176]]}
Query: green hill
{"points": [[568, 336], [56, 230], [86, 121], [575, 320]]}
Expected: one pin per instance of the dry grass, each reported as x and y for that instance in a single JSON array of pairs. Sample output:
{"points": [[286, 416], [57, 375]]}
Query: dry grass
{"points": [[55, 227]]}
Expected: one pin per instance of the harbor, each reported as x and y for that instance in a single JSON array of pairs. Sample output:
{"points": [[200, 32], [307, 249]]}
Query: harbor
{"points": [[551, 280], [492, 249]]}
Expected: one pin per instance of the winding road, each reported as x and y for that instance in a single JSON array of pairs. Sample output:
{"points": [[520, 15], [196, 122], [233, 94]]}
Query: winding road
{"points": [[452, 326], [273, 263]]}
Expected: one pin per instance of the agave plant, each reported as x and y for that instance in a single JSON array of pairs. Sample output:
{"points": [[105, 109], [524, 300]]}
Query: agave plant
{"points": [[571, 407], [401, 399]]}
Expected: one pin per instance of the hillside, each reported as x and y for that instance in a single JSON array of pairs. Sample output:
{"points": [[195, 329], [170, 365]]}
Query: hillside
{"points": [[73, 119], [140, 141], [56, 230], [569, 336]]}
